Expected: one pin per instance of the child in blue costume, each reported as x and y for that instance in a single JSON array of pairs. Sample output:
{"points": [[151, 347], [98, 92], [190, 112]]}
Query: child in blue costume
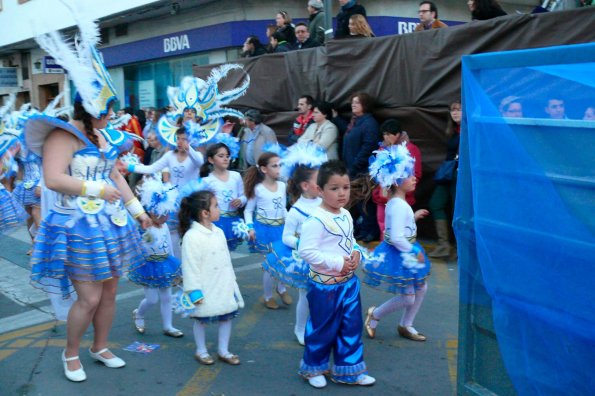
{"points": [[162, 270], [265, 215], [300, 165], [28, 192], [90, 236], [228, 187], [335, 323], [12, 213], [399, 264]]}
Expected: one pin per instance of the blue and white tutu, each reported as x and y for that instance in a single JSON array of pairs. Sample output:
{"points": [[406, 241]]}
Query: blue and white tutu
{"points": [[266, 234], [284, 264], [12, 213], [385, 270], [24, 193], [159, 271], [226, 224]]}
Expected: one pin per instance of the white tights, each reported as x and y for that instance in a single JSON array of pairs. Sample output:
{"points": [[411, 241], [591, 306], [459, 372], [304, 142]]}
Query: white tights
{"points": [[411, 301], [267, 286], [301, 312], [200, 338], [152, 295]]}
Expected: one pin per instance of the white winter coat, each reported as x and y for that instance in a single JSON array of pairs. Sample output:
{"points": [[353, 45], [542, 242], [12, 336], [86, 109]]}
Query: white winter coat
{"points": [[206, 266]]}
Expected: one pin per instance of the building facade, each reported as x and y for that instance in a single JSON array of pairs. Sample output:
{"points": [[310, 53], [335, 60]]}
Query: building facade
{"points": [[150, 45]]}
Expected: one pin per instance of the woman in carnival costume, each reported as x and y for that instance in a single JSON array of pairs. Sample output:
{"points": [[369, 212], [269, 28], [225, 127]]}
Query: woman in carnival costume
{"points": [[90, 236], [300, 166], [227, 185], [399, 264], [161, 270]]}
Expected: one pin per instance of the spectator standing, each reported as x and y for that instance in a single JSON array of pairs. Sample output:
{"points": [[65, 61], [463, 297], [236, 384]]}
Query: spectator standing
{"points": [[303, 39], [316, 26], [279, 43], [360, 140], [253, 47], [323, 132], [482, 10], [285, 26], [511, 107], [253, 137], [348, 8], [358, 27], [271, 28], [555, 109], [589, 114], [304, 118], [428, 17]]}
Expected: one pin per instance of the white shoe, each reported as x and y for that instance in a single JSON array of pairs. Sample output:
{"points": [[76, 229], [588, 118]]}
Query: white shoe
{"points": [[114, 362], [299, 335], [76, 375], [318, 382], [365, 380]]}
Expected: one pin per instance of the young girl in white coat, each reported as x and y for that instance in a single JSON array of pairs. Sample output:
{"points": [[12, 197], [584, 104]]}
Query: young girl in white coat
{"points": [[209, 279]]}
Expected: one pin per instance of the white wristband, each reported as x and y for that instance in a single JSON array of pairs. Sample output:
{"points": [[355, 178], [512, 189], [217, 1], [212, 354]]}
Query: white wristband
{"points": [[93, 189], [135, 208]]}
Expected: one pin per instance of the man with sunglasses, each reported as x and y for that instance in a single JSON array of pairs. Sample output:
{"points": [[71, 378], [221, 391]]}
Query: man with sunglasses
{"points": [[428, 17]]}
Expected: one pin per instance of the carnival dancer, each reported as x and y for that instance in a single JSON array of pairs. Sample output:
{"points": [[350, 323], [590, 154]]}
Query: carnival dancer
{"points": [[228, 187], [399, 264], [265, 215], [12, 213], [184, 165], [335, 322], [161, 270], [209, 279], [300, 166], [88, 238]]}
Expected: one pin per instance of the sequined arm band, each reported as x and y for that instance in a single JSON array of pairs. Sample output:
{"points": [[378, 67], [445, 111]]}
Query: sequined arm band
{"points": [[93, 189], [135, 208]]}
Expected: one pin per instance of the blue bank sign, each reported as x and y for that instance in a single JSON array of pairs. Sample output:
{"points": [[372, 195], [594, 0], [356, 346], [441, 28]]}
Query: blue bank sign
{"points": [[8, 77]]}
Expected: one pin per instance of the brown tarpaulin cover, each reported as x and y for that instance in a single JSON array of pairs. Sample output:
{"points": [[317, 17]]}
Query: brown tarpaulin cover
{"points": [[413, 76]]}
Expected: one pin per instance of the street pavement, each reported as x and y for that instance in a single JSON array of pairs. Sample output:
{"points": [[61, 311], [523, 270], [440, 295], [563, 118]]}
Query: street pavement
{"points": [[31, 342]]}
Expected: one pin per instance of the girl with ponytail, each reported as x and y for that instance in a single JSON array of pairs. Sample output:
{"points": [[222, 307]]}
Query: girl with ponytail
{"points": [[228, 188], [209, 279], [265, 215]]}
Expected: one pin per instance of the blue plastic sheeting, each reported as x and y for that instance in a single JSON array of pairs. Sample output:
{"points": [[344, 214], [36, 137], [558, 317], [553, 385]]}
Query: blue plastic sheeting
{"points": [[525, 213]]}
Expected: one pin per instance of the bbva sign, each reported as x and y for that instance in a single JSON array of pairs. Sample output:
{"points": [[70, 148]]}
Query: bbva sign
{"points": [[176, 43]]}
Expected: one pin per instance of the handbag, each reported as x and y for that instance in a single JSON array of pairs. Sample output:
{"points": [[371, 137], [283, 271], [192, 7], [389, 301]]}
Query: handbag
{"points": [[445, 174]]}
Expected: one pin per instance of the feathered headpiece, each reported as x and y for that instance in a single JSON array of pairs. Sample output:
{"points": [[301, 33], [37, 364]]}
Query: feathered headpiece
{"points": [[157, 197], [53, 110], [308, 154], [276, 148], [231, 142], [189, 188], [392, 165], [206, 100], [95, 89]]}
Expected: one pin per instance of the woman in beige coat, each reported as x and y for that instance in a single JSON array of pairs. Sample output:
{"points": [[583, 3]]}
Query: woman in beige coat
{"points": [[323, 132], [209, 279]]}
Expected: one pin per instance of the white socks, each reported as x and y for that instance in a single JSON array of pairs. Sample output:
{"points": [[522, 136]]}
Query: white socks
{"points": [[199, 330], [153, 295], [301, 315], [412, 310], [267, 286], [397, 302]]}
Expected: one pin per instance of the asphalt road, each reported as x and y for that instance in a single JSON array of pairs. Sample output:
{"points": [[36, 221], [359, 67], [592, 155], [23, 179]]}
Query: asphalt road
{"points": [[31, 343]]}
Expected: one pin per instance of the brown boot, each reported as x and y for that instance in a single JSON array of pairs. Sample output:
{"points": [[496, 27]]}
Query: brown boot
{"points": [[442, 250]]}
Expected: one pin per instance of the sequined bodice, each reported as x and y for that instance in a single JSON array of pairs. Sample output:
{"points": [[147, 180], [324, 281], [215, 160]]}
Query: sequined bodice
{"points": [[31, 164]]}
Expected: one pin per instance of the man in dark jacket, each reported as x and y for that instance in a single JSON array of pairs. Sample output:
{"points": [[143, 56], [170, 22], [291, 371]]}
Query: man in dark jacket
{"points": [[348, 8], [303, 38], [253, 47], [317, 27]]}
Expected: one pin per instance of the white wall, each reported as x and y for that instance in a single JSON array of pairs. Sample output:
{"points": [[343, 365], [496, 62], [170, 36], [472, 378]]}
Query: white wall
{"points": [[19, 22]]}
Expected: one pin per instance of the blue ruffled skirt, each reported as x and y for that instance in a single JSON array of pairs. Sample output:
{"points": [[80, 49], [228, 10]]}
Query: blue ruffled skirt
{"points": [[218, 318], [26, 196], [284, 264], [158, 272], [87, 249], [226, 224], [384, 269], [12, 213], [266, 234]]}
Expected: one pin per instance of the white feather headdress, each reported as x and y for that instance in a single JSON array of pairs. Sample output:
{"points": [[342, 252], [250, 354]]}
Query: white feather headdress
{"points": [[308, 154], [392, 165]]}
